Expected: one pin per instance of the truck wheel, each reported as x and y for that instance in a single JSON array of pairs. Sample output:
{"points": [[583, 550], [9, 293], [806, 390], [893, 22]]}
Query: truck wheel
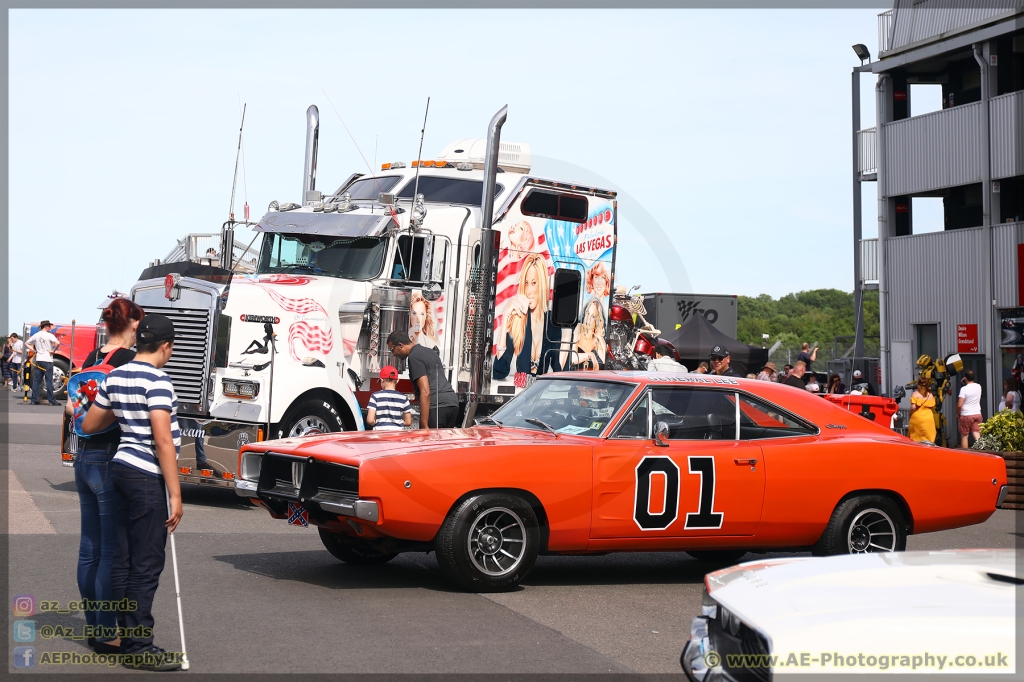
{"points": [[61, 372], [353, 551], [720, 557], [311, 418], [859, 525], [488, 543]]}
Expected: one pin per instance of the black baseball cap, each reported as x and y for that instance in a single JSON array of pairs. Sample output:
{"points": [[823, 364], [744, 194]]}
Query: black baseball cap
{"points": [[719, 351], [155, 328]]}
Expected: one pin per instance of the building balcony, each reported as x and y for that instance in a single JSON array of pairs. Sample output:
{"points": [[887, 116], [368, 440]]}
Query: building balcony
{"points": [[943, 148], [869, 263], [912, 23]]}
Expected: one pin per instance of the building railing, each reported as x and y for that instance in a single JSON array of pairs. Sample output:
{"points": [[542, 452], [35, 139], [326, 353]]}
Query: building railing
{"points": [[866, 145], [869, 261], [918, 21], [1006, 122], [885, 22], [932, 151]]}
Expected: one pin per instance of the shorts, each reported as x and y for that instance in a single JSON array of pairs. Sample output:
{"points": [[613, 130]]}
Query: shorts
{"points": [[969, 423]]}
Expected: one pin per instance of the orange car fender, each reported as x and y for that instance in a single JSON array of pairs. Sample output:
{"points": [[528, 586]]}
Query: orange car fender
{"points": [[938, 488], [416, 491]]}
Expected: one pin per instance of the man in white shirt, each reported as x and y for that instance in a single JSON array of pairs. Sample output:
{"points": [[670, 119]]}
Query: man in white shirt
{"points": [[664, 362], [968, 409], [44, 344], [17, 350]]}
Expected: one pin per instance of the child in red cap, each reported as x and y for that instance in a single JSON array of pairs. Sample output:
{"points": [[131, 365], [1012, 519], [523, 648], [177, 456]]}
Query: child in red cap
{"points": [[388, 409]]}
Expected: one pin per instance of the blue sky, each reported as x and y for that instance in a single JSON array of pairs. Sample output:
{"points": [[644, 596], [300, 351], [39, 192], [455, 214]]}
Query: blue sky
{"points": [[729, 128]]}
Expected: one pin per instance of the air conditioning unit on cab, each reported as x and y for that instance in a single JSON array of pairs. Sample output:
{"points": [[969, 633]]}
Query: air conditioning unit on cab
{"points": [[513, 157]]}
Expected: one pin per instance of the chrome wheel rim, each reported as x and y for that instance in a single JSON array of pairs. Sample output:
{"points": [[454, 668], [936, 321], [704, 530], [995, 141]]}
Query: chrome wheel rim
{"points": [[309, 426], [871, 531], [497, 541], [59, 380]]}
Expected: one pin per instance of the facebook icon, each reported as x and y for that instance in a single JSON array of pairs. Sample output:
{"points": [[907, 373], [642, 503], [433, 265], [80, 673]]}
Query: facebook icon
{"points": [[24, 656]]}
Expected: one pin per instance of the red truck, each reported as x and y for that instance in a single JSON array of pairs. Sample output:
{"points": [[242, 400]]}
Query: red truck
{"points": [[86, 338]]}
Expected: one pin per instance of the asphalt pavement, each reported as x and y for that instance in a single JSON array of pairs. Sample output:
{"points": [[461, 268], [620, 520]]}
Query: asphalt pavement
{"points": [[260, 596]]}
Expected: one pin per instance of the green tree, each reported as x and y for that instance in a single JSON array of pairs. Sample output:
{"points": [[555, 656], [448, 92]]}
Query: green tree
{"points": [[811, 316]]}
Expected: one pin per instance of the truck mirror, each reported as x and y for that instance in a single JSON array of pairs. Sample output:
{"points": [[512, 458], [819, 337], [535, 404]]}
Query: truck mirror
{"points": [[566, 297], [432, 291]]}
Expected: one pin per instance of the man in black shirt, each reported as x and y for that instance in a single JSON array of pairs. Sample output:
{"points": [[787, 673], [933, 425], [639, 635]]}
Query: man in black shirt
{"points": [[807, 356], [720, 363], [796, 377], [439, 406]]}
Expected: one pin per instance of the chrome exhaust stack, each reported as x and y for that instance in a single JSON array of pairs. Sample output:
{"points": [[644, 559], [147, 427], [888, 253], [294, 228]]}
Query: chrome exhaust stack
{"points": [[485, 280], [309, 167]]}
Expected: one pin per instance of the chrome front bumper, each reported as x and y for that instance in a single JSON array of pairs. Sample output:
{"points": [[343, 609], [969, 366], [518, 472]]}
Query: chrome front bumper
{"points": [[341, 505], [1003, 492]]}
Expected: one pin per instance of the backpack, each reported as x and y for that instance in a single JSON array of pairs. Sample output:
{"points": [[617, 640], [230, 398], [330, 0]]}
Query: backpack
{"points": [[82, 390]]}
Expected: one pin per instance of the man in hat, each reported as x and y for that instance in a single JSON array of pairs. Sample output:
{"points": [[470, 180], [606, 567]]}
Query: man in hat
{"points": [[44, 344], [860, 385], [768, 373], [719, 358], [140, 396]]}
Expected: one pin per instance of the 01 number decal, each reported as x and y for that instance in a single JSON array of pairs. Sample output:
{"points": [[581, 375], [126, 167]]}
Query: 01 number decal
{"points": [[648, 468]]}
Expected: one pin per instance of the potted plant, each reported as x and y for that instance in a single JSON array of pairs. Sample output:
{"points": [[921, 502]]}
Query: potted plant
{"points": [[1003, 434]]}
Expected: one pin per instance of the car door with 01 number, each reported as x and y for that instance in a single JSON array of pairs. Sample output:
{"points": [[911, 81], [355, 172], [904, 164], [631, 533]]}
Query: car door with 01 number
{"points": [[704, 481]]}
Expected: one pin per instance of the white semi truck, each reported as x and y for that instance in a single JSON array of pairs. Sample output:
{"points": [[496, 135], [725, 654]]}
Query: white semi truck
{"points": [[504, 274]]}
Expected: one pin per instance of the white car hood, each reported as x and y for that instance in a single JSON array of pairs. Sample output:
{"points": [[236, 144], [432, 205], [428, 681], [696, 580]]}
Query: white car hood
{"points": [[907, 603]]}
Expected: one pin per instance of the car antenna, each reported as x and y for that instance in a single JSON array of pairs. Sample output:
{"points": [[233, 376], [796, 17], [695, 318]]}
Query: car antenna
{"points": [[419, 160]]}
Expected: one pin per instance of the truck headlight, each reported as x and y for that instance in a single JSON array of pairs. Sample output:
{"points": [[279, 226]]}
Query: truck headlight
{"points": [[240, 388]]}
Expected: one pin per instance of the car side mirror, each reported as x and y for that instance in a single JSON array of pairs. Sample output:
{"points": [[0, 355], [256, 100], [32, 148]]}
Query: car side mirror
{"points": [[661, 434]]}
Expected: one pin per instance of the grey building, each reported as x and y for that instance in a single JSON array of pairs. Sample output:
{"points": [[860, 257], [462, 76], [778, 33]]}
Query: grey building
{"points": [[962, 288]]}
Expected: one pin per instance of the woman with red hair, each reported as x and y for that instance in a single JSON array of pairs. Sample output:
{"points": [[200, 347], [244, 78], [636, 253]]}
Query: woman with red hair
{"points": [[94, 481]]}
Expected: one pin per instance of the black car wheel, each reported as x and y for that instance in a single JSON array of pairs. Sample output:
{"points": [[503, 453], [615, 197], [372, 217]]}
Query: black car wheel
{"points": [[311, 418], [352, 550], [719, 557], [859, 525], [488, 543]]}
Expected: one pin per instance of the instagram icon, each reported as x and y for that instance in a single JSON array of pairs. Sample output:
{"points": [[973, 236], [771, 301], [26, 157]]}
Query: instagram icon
{"points": [[24, 605]]}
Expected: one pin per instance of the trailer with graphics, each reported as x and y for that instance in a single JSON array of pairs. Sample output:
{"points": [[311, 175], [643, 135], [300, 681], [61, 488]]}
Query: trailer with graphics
{"points": [[504, 274]]}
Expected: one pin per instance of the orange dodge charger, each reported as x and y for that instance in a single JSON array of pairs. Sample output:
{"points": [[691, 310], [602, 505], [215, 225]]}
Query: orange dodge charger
{"points": [[594, 462]]}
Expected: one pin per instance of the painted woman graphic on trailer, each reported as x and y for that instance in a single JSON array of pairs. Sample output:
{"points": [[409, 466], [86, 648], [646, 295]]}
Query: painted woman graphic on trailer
{"points": [[521, 341], [422, 328]]}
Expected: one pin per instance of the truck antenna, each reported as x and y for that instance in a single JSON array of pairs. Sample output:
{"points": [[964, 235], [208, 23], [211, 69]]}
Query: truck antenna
{"points": [[419, 158], [238, 154]]}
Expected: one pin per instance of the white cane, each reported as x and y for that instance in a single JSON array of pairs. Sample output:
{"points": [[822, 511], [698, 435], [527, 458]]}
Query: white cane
{"points": [[177, 588]]}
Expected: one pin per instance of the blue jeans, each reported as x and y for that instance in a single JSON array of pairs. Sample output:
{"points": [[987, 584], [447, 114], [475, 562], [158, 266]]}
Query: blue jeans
{"points": [[39, 370], [141, 539], [101, 505]]}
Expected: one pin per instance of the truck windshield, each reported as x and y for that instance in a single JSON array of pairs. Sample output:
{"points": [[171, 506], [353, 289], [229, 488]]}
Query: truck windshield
{"points": [[359, 258]]}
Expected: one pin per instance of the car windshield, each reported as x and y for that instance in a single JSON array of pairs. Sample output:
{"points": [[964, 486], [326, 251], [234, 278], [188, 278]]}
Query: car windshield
{"points": [[573, 407], [359, 258]]}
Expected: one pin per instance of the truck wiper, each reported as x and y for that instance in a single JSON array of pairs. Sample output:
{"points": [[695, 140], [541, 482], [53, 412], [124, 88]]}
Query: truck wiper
{"points": [[311, 268], [531, 420]]}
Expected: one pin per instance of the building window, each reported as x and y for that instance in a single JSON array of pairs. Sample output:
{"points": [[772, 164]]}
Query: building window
{"points": [[927, 337]]}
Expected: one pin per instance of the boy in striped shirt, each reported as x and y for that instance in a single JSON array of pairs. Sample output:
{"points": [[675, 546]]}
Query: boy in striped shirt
{"points": [[141, 398], [388, 410]]}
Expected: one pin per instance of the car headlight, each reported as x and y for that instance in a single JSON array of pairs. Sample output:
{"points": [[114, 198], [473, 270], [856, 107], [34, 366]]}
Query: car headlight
{"points": [[729, 621], [240, 388], [251, 466]]}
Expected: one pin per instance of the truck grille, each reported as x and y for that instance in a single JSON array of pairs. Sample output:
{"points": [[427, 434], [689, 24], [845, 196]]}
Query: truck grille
{"points": [[188, 364]]}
